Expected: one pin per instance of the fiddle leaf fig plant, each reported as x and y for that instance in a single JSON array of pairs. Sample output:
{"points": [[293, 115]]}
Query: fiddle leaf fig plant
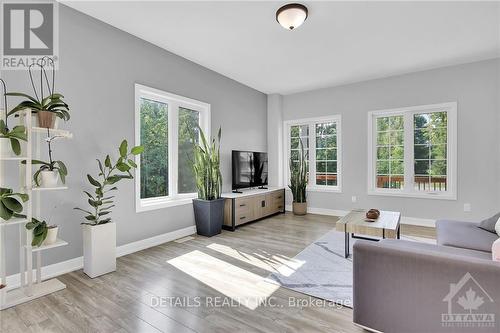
{"points": [[40, 230], [11, 203], [15, 134], [110, 173], [52, 102]]}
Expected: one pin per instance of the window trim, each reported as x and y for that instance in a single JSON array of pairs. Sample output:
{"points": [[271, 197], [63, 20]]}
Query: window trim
{"points": [[451, 164], [174, 102], [311, 122]]}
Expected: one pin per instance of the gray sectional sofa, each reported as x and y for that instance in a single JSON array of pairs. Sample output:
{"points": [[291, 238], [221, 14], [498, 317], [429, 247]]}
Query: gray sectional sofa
{"points": [[410, 287]]}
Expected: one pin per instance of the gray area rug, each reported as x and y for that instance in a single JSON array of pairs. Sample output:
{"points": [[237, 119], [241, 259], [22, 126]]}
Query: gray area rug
{"points": [[324, 272]]}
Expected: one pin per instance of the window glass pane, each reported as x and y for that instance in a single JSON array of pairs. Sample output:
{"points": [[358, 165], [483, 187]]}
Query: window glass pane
{"points": [[326, 153], [430, 138], [154, 138], [188, 132], [390, 152]]}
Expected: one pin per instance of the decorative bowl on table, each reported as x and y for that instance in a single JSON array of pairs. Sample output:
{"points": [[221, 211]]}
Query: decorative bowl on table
{"points": [[372, 215]]}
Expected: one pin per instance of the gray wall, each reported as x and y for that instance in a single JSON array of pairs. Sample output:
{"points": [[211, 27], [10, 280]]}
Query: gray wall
{"points": [[98, 68], [476, 89]]}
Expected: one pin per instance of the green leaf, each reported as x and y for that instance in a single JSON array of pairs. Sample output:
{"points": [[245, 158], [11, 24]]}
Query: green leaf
{"points": [[107, 161], [5, 213], [123, 167], [123, 148], [132, 163], [90, 217], [137, 150], [93, 181], [12, 204], [83, 210], [16, 146]]}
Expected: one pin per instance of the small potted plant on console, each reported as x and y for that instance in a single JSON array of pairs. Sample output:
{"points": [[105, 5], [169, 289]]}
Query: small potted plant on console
{"points": [[209, 206]]}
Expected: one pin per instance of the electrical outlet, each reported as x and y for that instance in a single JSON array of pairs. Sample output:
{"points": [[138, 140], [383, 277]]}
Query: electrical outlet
{"points": [[467, 207], [354, 199]]}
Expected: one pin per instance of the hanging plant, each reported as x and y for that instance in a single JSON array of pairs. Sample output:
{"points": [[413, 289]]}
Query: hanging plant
{"points": [[16, 134], [46, 106]]}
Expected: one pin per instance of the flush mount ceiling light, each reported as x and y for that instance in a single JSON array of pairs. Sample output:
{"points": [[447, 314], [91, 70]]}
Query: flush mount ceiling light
{"points": [[291, 16]]}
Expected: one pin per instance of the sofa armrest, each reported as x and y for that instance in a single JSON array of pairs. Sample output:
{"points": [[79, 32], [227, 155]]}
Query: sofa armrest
{"points": [[397, 288]]}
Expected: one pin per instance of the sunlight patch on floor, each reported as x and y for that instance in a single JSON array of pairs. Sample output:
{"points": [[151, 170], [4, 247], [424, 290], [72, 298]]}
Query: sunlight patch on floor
{"points": [[244, 287], [270, 262]]}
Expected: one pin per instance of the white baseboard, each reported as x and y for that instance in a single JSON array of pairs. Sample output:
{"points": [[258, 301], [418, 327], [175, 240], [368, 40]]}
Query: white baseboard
{"points": [[337, 212], [63, 267]]}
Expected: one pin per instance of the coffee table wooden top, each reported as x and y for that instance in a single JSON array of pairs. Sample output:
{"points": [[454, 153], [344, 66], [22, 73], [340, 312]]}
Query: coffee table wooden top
{"points": [[386, 225]]}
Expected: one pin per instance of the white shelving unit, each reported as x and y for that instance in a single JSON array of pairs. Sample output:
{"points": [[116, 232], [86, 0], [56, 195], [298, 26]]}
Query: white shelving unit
{"points": [[31, 284]]}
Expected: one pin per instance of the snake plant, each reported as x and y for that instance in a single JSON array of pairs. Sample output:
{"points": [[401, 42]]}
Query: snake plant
{"points": [[206, 167], [298, 176]]}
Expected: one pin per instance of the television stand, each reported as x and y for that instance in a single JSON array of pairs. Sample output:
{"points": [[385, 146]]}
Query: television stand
{"points": [[262, 188]]}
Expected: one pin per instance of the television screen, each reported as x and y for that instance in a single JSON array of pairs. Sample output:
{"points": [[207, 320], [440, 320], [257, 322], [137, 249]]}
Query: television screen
{"points": [[249, 169]]}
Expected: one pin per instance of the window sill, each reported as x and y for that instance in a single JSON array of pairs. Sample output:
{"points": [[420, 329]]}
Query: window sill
{"points": [[432, 196], [165, 203], [321, 189]]}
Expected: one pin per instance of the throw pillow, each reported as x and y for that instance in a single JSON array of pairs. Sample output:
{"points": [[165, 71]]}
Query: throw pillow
{"points": [[489, 223], [497, 227]]}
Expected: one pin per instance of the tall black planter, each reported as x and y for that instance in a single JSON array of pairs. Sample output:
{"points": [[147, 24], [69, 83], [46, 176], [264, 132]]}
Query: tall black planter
{"points": [[209, 216]]}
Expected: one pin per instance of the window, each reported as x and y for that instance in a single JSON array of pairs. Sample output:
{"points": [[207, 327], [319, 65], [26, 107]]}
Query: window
{"points": [[412, 151], [320, 139], [166, 125]]}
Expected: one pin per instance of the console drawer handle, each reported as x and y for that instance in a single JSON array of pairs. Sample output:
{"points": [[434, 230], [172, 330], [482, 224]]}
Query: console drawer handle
{"points": [[242, 205], [279, 197], [243, 217]]}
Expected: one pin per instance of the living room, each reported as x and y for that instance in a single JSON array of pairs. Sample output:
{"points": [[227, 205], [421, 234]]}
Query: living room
{"points": [[261, 166]]}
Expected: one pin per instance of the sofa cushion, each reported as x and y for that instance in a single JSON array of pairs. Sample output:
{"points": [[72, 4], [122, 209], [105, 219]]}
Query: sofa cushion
{"points": [[432, 248], [465, 235], [489, 223]]}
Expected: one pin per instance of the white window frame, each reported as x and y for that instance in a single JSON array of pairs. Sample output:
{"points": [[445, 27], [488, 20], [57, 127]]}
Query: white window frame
{"points": [[451, 164], [174, 103], [311, 122]]}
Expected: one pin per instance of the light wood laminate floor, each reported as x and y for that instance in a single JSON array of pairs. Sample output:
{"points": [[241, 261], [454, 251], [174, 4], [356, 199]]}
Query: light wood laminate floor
{"points": [[191, 272]]}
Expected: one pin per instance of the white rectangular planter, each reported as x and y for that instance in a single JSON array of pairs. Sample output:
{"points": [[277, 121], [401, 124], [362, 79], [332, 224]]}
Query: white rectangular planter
{"points": [[99, 249]]}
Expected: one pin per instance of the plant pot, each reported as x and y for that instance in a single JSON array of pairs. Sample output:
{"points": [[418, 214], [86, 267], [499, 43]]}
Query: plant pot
{"points": [[49, 179], [5, 149], [99, 249], [299, 208], [209, 216], [51, 235], [47, 119]]}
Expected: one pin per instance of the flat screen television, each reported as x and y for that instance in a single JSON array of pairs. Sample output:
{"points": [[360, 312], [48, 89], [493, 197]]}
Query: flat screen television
{"points": [[249, 169]]}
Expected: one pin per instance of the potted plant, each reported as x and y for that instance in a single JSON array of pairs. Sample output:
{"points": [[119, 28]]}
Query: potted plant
{"points": [[298, 183], [9, 138], [46, 107], [43, 234], [209, 206], [48, 174], [99, 233], [11, 203]]}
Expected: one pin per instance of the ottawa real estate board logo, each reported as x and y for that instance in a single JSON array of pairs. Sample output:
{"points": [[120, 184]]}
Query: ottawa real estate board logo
{"points": [[30, 32], [469, 305]]}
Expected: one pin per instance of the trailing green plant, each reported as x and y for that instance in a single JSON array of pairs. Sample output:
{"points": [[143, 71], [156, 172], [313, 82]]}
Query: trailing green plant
{"points": [[52, 102], [206, 167], [40, 230], [11, 203], [110, 173], [51, 165], [15, 134], [298, 177]]}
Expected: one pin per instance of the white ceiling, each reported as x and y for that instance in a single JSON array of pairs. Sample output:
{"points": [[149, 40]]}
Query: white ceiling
{"points": [[341, 42]]}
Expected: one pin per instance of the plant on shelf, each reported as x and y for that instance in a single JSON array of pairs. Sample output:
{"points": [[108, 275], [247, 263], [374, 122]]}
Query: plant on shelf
{"points": [[109, 174], [209, 207], [49, 106], [7, 135], [11, 203], [49, 172], [298, 182], [43, 233]]}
